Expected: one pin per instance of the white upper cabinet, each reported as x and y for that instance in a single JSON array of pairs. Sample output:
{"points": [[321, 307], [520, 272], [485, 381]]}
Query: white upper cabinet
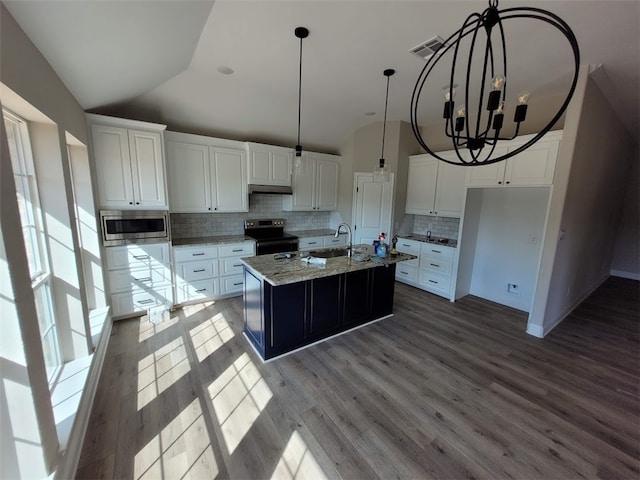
{"points": [[434, 187], [206, 174], [534, 166], [315, 184], [269, 165], [129, 163]]}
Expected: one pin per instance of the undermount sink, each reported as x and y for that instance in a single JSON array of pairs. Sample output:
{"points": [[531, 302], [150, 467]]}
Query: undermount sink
{"points": [[334, 252]]}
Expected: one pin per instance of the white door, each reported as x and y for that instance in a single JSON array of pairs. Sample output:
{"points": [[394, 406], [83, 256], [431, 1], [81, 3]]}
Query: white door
{"points": [[113, 165], [229, 180], [372, 212], [188, 166], [327, 184], [147, 166]]}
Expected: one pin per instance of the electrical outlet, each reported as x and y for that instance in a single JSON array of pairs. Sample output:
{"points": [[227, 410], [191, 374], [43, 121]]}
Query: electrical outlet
{"points": [[513, 289]]}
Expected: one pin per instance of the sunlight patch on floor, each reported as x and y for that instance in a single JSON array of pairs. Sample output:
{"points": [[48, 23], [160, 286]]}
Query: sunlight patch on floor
{"points": [[148, 329], [161, 369], [238, 395], [210, 335], [297, 462], [182, 450]]}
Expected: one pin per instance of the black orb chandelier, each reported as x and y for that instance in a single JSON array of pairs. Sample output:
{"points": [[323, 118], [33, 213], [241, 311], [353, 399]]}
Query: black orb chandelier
{"points": [[474, 135]]}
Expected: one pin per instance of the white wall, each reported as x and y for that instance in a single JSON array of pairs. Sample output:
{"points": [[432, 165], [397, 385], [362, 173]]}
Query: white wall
{"points": [[508, 243], [26, 73], [593, 166], [626, 253]]}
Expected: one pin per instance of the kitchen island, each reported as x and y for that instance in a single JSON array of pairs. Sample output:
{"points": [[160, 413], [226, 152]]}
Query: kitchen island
{"points": [[290, 304]]}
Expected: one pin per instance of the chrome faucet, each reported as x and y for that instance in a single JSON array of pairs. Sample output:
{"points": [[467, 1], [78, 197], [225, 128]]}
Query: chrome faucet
{"points": [[348, 238]]}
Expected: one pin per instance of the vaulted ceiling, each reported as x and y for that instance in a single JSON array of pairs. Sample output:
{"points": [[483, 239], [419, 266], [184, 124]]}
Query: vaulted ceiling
{"points": [[161, 60]]}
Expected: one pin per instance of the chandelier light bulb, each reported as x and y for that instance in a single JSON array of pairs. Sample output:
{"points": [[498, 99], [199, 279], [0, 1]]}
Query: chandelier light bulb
{"points": [[500, 109], [523, 98], [497, 82], [461, 112], [449, 93]]}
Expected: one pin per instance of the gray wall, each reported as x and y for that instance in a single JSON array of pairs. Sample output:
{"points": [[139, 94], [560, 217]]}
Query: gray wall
{"points": [[594, 161], [25, 72], [626, 253]]}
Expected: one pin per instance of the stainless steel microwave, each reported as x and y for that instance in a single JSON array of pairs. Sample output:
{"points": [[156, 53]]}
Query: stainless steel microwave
{"points": [[121, 227]]}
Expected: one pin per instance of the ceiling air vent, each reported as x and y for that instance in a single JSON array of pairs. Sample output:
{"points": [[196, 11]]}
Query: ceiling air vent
{"points": [[428, 48]]}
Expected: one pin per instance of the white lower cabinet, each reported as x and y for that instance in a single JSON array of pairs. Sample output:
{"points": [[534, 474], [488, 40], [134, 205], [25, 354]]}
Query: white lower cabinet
{"points": [[432, 270], [206, 272], [139, 277]]}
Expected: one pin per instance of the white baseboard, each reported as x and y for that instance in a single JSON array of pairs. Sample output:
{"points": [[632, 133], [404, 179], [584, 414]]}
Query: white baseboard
{"points": [[544, 330], [623, 274], [69, 461]]}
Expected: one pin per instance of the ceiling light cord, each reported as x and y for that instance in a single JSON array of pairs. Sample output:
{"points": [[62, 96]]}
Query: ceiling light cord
{"points": [[301, 33], [300, 92], [388, 72]]}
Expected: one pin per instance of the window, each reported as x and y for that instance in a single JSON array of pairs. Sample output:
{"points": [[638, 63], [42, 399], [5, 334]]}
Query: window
{"points": [[34, 237]]}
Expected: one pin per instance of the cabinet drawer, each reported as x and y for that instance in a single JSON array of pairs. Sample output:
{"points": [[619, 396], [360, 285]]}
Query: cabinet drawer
{"points": [[188, 271], [309, 243], [331, 241], [437, 252], [230, 266], [237, 250], [407, 273], [437, 265], [232, 284], [132, 256], [434, 282], [408, 246], [140, 300], [195, 253], [199, 290], [126, 280]]}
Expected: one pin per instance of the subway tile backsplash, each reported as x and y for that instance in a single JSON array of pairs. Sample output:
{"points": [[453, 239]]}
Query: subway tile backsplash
{"points": [[445, 227], [189, 225]]}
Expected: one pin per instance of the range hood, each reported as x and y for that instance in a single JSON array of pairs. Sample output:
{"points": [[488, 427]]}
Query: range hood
{"points": [[274, 189]]}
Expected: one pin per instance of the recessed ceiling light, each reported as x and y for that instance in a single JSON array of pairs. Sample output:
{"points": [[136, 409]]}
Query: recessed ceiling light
{"points": [[370, 114], [223, 69]]}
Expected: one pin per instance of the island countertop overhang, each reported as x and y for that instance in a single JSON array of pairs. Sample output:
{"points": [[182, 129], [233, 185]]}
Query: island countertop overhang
{"points": [[293, 270]]}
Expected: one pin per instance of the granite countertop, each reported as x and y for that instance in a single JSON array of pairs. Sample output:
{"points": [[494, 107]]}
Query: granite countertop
{"points": [[212, 240], [293, 270], [445, 242], [314, 233]]}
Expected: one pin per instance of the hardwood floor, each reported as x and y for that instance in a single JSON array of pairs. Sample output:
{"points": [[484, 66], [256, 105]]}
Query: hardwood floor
{"points": [[440, 390]]}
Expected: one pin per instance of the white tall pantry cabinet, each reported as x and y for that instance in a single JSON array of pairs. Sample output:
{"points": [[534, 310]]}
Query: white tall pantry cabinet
{"points": [[129, 162]]}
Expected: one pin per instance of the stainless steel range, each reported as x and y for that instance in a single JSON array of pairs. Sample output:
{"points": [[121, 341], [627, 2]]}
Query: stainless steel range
{"points": [[269, 235]]}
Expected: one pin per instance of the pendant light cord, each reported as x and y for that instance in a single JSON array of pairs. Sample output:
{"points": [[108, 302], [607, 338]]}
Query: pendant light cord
{"points": [[384, 123], [299, 92], [387, 73]]}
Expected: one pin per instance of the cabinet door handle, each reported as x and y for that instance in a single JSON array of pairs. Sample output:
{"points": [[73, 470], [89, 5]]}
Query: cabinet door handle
{"points": [[434, 264], [143, 279], [499, 183], [141, 257], [237, 264], [403, 272], [433, 281], [436, 251], [405, 245], [201, 290], [507, 182], [312, 243], [199, 270], [130, 203], [146, 302], [236, 284], [237, 249], [197, 254]]}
